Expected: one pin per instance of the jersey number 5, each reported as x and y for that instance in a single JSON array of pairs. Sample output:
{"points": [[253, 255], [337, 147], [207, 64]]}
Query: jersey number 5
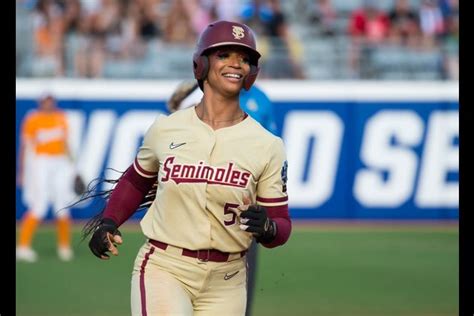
{"points": [[227, 210]]}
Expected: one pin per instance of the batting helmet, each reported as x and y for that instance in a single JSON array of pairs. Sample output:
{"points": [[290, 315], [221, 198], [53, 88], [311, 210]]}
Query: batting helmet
{"points": [[224, 33]]}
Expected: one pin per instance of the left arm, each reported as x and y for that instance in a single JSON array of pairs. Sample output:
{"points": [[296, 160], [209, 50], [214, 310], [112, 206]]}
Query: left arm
{"points": [[269, 219]]}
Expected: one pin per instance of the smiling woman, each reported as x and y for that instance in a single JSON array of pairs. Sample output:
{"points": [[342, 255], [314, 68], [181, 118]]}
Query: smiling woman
{"points": [[214, 192], [233, 64]]}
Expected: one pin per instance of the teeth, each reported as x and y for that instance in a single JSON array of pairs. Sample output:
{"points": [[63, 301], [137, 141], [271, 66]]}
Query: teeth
{"points": [[233, 76]]}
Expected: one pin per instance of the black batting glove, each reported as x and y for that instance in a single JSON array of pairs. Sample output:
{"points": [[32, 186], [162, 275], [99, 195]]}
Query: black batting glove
{"points": [[104, 239], [256, 221]]}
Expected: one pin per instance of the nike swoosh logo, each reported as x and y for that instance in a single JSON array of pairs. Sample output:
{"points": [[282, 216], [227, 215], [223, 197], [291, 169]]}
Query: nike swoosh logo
{"points": [[228, 276], [173, 145]]}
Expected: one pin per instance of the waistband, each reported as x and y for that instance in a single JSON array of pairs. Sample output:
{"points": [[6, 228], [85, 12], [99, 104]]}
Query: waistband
{"points": [[203, 255]]}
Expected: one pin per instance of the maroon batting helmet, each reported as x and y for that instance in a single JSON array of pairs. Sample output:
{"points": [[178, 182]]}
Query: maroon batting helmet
{"points": [[224, 33]]}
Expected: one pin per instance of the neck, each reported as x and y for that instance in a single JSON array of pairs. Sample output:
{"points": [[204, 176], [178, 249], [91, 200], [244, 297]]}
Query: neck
{"points": [[219, 113]]}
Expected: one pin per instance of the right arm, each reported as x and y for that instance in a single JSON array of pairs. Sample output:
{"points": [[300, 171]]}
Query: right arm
{"points": [[21, 164], [27, 131], [128, 194], [126, 197]]}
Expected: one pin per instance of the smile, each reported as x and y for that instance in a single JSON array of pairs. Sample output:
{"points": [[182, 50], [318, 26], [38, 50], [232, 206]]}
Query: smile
{"points": [[233, 76]]}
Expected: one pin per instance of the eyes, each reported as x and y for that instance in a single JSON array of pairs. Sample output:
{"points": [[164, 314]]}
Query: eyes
{"points": [[223, 55]]}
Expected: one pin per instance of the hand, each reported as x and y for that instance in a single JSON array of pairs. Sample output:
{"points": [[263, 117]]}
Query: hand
{"points": [[105, 238], [256, 221], [79, 186]]}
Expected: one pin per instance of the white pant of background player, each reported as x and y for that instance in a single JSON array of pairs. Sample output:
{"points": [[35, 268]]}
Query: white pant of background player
{"points": [[48, 182]]}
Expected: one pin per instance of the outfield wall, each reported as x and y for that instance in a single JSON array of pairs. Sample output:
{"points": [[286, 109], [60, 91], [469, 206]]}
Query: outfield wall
{"points": [[378, 150]]}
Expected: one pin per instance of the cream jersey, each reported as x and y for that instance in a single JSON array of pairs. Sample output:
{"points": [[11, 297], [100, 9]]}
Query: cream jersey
{"points": [[203, 175]]}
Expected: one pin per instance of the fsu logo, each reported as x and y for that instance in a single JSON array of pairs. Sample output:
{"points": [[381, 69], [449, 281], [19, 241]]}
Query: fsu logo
{"points": [[238, 32]]}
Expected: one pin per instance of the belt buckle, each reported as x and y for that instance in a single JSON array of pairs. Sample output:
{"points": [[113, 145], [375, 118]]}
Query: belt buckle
{"points": [[206, 259]]}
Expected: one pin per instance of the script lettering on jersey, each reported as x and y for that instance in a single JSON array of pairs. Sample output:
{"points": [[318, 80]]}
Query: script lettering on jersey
{"points": [[203, 173]]}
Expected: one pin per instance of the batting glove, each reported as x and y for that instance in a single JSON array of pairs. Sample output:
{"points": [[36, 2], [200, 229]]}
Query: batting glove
{"points": [[256, 221], [105, 238]]}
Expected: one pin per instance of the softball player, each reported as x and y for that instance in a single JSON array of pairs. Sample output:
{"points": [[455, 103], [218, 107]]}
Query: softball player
{"points": [[254, 102], [45, 174], [221, 182]]}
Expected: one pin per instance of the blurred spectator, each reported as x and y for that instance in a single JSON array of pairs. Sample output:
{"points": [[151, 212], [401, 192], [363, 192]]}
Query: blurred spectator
{"points": [[137, 27], [223, 9], [431, 22], [178, 27], [80, 37], [256, 14], [89, 55], [281, 56], [72, 21], [100, 31], [106, 26], [451, 43], [404, 24], [199, 13], [449, 8], [48, 39], [323, 16], [148, 19], [368, 26]]}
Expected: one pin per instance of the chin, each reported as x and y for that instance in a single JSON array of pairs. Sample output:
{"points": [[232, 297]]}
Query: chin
{"points": [[233, 90], [233, 93]]}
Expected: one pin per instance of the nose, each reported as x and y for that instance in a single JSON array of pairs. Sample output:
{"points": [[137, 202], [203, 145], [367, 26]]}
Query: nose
{"points": [[235, 61]]}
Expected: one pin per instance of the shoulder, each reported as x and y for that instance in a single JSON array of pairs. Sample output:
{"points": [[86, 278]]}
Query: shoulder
{"points": [[61, 114], [177, 118], [261, 133], [31, 113], [31, 116]]}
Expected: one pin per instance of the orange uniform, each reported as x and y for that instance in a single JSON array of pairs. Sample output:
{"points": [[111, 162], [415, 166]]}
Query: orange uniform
{"points": [[48, 169], [47, 178], [47, 132]]}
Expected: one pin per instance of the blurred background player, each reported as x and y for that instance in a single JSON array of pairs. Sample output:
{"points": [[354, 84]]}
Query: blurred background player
{"points": [[257, 104], [46, 176]]}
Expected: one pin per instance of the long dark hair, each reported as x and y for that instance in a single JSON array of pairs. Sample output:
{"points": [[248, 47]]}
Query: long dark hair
{"points": [[93, 192]]}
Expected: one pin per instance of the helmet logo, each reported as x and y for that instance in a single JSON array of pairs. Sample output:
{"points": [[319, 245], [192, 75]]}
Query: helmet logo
{"points": [[238, 32]]}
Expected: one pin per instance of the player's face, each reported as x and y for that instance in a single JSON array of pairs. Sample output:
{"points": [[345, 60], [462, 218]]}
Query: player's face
{"points": [[228, 66], [47, 104]]}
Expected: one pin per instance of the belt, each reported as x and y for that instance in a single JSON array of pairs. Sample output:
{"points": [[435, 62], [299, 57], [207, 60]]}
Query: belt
{"points": [[203, 255]]}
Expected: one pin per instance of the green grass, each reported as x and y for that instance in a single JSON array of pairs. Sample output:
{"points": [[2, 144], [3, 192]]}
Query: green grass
{"points": [[344, 270]]}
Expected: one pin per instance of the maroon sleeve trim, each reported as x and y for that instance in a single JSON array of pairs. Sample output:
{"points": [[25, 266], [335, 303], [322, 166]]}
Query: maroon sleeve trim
{"points": [[140, 169], [272, 200]]}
